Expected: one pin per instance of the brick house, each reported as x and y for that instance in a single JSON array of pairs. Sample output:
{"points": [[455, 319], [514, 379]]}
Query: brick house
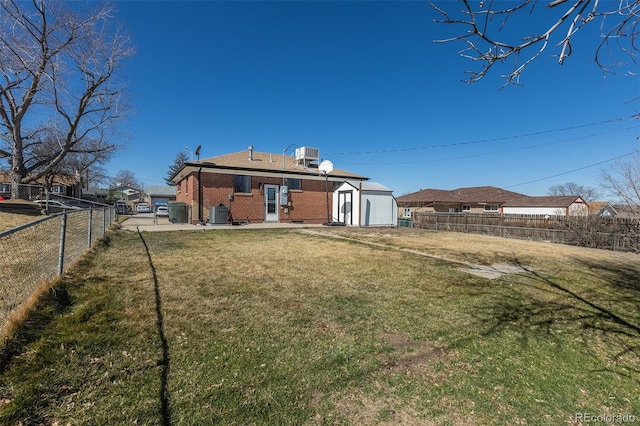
{"points": [[260, 187], [480, 199], [59, 184], [488, 199]]}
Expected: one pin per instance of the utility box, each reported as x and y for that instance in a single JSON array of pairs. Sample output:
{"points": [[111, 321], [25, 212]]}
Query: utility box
{"points": [[218, 215], [178, 212]]}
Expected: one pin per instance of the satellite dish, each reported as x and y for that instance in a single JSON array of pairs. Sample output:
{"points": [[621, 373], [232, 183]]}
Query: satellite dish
{"points": [[198, 149], [326, 167]]}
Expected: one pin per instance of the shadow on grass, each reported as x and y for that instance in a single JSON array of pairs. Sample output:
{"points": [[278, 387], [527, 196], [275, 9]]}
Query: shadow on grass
{"points": [[165, 363], [536, 305]]}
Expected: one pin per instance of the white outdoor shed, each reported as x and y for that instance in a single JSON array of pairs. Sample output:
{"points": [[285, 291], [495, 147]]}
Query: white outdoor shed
{"points": [[364, 204]]}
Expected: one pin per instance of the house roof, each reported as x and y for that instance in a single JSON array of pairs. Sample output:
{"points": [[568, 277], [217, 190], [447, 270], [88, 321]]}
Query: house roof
{"points": [[477, 194], [260, 162], [598, 207], [161, 190]]}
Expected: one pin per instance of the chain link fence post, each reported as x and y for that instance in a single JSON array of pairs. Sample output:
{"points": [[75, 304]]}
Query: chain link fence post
{"points": [[63, 234]]}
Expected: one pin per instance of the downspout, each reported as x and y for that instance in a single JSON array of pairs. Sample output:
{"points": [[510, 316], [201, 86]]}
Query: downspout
{"points": [[200, 195]]}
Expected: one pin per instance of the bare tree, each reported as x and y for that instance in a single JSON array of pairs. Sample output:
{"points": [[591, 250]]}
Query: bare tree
{"points": [[60, 90], [622, 180], [571, 188], [482, 23], [126, 178]]}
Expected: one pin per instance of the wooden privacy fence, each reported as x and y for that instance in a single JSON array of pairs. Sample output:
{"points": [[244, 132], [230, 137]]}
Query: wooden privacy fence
{"points": [[587, 231]]}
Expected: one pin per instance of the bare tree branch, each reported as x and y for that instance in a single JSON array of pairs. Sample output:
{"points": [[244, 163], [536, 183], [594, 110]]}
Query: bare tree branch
{"points": [[483, 41]]}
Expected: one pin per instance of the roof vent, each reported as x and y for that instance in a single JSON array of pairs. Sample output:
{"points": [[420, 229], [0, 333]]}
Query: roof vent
{"points": [[305, 155], [250, 152]]}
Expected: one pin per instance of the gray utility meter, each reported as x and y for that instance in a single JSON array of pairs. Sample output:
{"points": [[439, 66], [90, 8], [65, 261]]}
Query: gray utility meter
{"points": [[284, 195]]}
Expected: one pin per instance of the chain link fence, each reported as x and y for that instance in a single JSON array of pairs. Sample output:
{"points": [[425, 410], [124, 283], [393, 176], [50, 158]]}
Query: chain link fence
{"points": [[42, 249]]}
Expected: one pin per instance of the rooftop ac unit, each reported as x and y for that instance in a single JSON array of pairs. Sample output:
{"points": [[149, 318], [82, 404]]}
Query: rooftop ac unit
{"points": [[307, 153]]}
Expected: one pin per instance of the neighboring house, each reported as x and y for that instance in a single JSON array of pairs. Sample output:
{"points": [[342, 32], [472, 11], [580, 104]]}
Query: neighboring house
{"points": [[570, 205], [482, 199], [61, 184], [260, 186], [628, 211], [602, 209], [365, 204], [99, 195], [129, 193], [161, 194], [487, 199]]}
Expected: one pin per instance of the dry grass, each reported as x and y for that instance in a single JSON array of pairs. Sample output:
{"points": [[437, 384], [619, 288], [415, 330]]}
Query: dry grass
{"points": [[11, 220], [287, 327], [481, 249]]}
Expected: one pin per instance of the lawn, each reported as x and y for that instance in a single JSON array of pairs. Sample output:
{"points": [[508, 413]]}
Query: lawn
{"points": [[11, 220], [329, 326]]}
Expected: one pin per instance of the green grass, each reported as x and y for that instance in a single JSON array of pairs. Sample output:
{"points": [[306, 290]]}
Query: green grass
{"points": [[282, 327]]}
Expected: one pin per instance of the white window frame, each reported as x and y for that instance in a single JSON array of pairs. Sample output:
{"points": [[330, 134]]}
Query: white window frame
{"points": [[241, 187], [491, 208]]}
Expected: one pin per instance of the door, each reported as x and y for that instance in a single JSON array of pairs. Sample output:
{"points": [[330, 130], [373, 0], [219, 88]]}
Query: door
{"points": [[345, 204], [271, 203]]}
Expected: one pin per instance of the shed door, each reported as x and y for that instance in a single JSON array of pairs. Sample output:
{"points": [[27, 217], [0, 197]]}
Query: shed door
{"points": [[271, 203], [345, 205]]}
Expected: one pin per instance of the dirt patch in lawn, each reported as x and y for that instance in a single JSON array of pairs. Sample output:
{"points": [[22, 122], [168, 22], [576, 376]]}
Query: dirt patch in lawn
{"points": [[496, 270], [410, 356]]}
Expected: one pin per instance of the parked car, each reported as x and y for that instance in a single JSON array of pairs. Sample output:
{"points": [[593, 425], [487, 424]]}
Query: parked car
{"points": [[162, 210], [143, 208], [121, 207]]}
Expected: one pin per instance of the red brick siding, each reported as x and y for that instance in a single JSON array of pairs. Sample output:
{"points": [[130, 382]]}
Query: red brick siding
{"points": [[308, 205]]}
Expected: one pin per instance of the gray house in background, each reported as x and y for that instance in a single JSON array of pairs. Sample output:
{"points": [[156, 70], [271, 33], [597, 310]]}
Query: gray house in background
{"points": [[161, 194]]}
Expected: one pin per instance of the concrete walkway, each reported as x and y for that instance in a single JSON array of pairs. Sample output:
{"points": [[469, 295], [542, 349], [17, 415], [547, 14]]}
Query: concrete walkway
{"points": [[147, 222]]}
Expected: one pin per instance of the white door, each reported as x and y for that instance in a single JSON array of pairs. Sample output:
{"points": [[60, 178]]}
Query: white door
{"points": [[345, 204], [271, 203]]}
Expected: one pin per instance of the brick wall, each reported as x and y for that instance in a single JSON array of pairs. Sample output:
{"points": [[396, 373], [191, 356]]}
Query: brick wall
{"points": [[308, 205]]}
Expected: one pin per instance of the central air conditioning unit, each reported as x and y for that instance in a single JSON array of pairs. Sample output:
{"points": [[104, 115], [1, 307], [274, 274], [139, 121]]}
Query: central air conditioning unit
{"points": [[307, 153]]}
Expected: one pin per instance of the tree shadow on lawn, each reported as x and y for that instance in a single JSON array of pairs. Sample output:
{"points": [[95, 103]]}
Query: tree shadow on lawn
{"points": [[537, 305]]}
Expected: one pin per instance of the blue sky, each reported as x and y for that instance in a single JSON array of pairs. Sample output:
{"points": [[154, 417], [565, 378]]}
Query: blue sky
{"points": [[365, 83]]}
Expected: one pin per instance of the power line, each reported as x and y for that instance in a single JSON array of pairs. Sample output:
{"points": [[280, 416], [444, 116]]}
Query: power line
{"points": [[574, 170], [494, 152], [542, 132]]}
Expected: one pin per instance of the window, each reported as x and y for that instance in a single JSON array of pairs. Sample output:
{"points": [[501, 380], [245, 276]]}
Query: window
{"points": [[466, 208], [295, 184], [406, 212], [57, 189], [242, 183], [490, 207]]}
